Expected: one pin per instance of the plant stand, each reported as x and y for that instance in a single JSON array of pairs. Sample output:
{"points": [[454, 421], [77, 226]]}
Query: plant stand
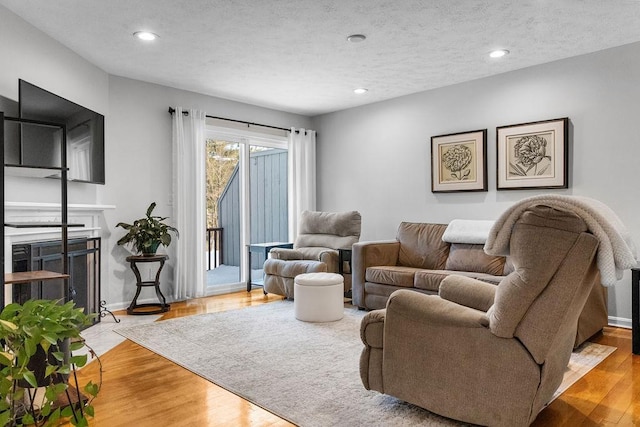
{"points": [[162, 306]]}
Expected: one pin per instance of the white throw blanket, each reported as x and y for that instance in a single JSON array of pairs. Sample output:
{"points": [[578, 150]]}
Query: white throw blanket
{"points": [[467, 231], [616, 251]]}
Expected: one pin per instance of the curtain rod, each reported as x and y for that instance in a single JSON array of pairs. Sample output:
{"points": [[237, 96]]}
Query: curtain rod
{"points": [[186, 113]]}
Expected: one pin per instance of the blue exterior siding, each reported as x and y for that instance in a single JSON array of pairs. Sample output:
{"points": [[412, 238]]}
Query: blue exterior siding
{"points": [[268, 220]]}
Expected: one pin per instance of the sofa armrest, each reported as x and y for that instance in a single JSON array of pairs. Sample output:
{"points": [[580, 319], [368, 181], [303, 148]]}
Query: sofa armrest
{"points": [[285, 254], [468, 292], [368, 254]]}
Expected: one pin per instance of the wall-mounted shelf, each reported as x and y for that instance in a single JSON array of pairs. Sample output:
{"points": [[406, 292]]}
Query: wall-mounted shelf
{"points": [[32, 276], [32, 171], [49, 168], [40, 224]]}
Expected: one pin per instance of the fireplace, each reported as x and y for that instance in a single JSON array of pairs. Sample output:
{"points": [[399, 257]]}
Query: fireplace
{"points": [[39, 248], [84, 272]]}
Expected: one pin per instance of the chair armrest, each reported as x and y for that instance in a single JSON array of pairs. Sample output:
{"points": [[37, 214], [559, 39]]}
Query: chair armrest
{"points": [[368, 254], [433, 311], [372, 336], [467, 291], [371, 328], [285, 254], [329, 257]]}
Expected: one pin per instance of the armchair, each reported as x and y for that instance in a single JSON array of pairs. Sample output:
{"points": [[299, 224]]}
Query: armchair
{"points": [[485, 354], [320, 235]]}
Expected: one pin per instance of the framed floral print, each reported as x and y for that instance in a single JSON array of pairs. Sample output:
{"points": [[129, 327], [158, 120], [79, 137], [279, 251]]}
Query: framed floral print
{"points": [[459, 162], [533, 155]]}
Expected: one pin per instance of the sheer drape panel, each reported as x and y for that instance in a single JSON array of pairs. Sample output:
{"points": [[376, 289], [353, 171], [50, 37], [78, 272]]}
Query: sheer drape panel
{"points": [[189, 197], [302, 175]]}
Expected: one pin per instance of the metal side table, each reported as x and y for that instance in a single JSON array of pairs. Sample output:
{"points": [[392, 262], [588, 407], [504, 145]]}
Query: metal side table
{"points": [[264, 249]]}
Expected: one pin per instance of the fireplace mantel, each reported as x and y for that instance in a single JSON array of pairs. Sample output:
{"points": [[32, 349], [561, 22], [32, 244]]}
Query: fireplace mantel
{"points": [[47, 207], [86, 214], [90, 215]]}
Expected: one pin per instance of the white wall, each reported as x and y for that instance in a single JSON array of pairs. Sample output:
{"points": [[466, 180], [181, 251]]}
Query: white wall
{"points": [[139, 159], [137, 145], [376, 158], [31, 55]]}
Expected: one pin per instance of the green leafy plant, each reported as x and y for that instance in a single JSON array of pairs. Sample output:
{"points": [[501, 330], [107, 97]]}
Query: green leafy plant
{"points": [[38, 340], [146, 234]]}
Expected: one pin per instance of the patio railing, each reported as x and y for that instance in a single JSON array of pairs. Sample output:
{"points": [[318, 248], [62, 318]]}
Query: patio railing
{"points": [[217, 246]]}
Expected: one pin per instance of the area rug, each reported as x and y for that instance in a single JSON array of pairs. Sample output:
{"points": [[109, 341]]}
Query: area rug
{"points": [[306, 373]]}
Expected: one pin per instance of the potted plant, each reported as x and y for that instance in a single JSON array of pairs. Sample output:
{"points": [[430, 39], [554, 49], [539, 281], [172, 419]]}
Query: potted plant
{"points": [[146, 234], [37, 364]]}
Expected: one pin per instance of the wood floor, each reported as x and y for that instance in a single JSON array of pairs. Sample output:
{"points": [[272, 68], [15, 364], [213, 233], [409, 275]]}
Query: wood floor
{"points": [[142, 389]]}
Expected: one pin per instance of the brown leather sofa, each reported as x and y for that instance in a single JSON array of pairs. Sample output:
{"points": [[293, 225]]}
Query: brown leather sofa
{"points": [[479, 353], [419, 260]]}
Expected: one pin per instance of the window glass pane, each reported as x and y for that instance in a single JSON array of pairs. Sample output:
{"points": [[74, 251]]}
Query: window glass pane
{"points": [[223, 203]]}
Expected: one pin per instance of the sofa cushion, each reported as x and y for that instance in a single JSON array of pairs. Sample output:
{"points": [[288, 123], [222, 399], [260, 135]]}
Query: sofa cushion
{"points": [[291, 269], [391, 275], [314, 252], [430, 279], [466, 257], [421, 245]]}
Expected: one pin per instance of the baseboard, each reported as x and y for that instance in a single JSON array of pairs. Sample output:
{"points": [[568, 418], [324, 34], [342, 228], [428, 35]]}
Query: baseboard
{"points": [[117, 306], [620, 322], [225, 289], [124, 305], [213, 290]]}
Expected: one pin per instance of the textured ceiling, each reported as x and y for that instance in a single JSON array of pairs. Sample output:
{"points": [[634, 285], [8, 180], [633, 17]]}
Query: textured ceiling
{"points": [[292, 55]]}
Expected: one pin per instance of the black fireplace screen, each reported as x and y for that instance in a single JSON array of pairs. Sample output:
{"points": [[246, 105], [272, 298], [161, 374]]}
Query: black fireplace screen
{"points": [[84, 272]]}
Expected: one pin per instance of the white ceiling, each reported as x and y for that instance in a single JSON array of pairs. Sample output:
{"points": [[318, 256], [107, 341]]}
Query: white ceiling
{"points": [[292, 55]]}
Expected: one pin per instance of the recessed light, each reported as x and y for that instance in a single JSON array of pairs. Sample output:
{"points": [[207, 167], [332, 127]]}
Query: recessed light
{"points": [[499, 53], [356, 38], [360, 91], [145, 35]]}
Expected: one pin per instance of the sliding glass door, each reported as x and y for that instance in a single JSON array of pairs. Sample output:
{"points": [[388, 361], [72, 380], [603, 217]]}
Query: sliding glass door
{"points": [[223, 201], [246, 204]]}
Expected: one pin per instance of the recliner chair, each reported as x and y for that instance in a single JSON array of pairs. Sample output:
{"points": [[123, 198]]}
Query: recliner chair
{"points": [[320, 235], [485, 354]]}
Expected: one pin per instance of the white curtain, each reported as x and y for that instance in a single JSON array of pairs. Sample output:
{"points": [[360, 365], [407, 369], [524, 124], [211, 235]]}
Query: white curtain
{"points": [[189, 186], [302, 176]]}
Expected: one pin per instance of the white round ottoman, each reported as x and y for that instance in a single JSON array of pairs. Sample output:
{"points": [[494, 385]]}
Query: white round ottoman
{"points": [[318, 297]]}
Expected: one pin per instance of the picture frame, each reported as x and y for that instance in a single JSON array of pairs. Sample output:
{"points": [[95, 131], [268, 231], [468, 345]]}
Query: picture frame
{"points": [[533, 155], [459, 162]]}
